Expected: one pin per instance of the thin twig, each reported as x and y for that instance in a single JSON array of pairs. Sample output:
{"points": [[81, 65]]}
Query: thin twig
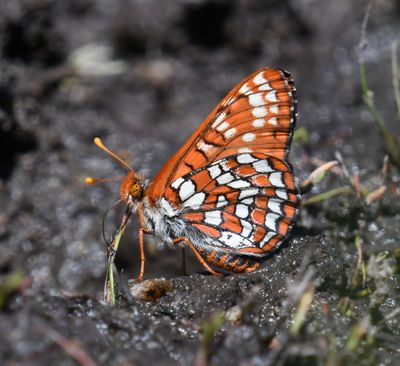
{"points": [[326, 195], [353, 180], [389, 316], [360, 259], [109, 285], [317, 175], [395, 77], [69, 346], [363, 33], [385, 169], [376, 195]]}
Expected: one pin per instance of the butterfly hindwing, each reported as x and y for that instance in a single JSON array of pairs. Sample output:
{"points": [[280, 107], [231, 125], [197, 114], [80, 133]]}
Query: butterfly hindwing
{"points": [[245, 203]]}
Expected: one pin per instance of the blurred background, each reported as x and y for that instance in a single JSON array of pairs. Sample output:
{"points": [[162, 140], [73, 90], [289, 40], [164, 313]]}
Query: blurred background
{"points": [[142, 75]]}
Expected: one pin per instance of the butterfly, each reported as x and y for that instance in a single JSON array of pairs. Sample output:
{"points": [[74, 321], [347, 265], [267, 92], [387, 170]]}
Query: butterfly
{"points": [[229, 193]]}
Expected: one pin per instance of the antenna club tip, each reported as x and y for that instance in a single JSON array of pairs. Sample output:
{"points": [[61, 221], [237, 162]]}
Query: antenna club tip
{"points": [[89, 181], [97, 141]]}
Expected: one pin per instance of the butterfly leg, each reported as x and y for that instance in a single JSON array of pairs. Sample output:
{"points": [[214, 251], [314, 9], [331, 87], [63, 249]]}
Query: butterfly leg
{"points": [[142, 231], [199, 257], [142, 255]]}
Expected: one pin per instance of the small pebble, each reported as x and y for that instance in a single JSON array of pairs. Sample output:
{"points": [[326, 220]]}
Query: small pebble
{"points": [[234, 314], [150, 290]]}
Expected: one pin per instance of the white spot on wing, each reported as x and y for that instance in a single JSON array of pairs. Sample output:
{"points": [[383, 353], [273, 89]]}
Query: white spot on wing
{"points": [[271, 96], [244, 150], [281, 194], [258, 123], [201, 145], [177, 183], [219, 119], [248, 201], [259, 112], [275, 206], [221, 201], [248, 193], [265, 87], [267, 238], [213, 217], [242, 211], [186, 190], [195, 201], [273, 121], [276, 179], [214, 171], [247, 228], [248, 137], [225, 167], [259, 78], [225, 178], [262, 166], [230, 133], [245, 159], [274, 108], [244, 88], [238, 184], [270, 221], [234, 240], [256, 100], [223, 126]]}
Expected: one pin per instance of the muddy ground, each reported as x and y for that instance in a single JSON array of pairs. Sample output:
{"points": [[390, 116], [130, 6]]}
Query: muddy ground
{"points": [[143, 75]]}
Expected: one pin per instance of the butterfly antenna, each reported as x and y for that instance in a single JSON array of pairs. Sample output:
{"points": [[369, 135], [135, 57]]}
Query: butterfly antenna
{"points": [[97, 141], [90, 180]]}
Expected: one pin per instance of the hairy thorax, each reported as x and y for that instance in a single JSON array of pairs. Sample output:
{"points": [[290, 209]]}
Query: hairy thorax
{"points": [[164, 220]]}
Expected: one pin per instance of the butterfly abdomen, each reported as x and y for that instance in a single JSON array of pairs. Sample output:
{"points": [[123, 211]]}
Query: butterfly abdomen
{"points": [[230, 261]]}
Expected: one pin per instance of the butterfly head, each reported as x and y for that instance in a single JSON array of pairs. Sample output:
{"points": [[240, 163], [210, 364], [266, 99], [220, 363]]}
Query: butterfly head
{"points": [[131, 188], [132, 185]]}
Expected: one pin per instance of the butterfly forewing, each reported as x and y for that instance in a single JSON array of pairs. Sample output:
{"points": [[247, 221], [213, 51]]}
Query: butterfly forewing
{"points": [[258, 115]]}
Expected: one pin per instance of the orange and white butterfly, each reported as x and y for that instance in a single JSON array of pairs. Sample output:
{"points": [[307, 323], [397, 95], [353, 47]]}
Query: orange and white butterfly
{"points": [[229, 192]]}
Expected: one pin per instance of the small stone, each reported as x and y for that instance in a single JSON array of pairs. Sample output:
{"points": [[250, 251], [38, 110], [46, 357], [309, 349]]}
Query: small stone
{"points": [[234, 314], [151, 290]]}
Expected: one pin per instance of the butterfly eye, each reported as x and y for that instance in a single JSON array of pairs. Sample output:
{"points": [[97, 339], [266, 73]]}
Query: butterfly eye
{"points": [[130, 187], [136, 191]]}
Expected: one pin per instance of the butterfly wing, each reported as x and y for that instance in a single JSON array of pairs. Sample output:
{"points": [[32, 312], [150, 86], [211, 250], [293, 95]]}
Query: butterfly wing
{"points": [[245, 203], [258, 115], [230, 180]]}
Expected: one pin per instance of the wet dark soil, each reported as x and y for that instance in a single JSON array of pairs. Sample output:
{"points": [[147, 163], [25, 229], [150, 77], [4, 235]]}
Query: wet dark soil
{"points": [[143, 75]]}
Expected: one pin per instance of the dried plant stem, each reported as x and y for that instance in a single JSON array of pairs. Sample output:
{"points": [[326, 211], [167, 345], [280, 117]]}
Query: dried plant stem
{"points": [[69, 346], [391, 145], [395, 78], [354, 181], [326, 195], [360, 259], [109, 284]]}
